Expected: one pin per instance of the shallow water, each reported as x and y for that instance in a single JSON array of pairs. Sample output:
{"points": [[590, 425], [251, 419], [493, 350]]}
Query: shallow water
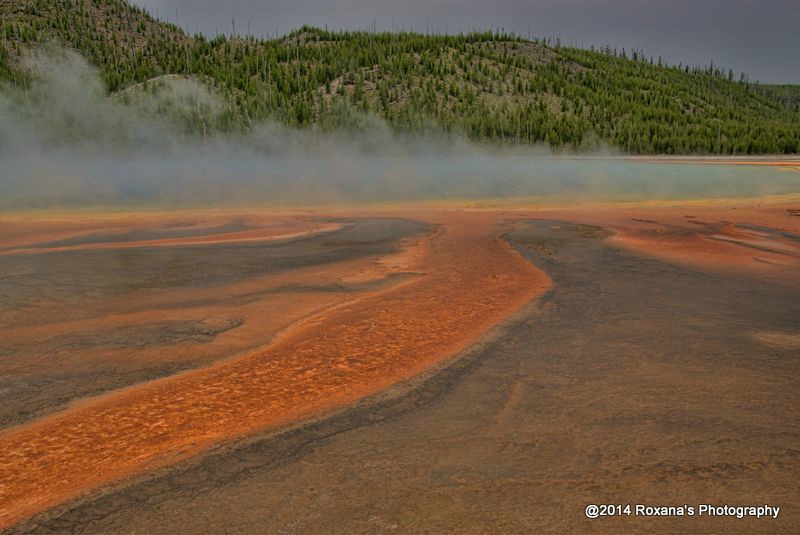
{"points": [[207, 177]]}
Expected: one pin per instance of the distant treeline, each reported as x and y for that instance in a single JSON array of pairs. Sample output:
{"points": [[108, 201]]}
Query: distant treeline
{"points": [[487, 86]]}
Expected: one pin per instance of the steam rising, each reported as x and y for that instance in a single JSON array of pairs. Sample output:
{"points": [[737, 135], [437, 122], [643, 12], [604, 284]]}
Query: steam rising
{"points": [[65, 142]]}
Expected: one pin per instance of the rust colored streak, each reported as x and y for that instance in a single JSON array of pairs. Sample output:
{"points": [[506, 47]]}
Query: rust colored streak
{"points": [[746, 236], [259, 235], [746, 241], [792, 164], [472, 279]]}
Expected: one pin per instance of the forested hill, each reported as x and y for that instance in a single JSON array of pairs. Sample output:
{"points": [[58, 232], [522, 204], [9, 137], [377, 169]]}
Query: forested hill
{"points": [[489, 87]]}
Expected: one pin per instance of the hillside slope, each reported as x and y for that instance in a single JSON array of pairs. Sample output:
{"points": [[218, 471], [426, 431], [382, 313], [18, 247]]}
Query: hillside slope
{"points": [[489, 87]]}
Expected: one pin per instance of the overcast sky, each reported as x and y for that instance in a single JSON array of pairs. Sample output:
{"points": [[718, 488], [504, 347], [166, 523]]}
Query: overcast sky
{"points": [[760, 37]]}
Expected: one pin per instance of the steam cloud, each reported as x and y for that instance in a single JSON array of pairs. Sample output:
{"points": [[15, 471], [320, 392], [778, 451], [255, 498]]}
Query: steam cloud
{"points": [[65, 142]]}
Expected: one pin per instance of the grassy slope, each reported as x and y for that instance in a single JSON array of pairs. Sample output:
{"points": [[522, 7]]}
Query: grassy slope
{"points": [[490, 87]]}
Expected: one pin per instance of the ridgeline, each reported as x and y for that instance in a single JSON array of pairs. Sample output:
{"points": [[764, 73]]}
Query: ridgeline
{"points": [[490, 87]]}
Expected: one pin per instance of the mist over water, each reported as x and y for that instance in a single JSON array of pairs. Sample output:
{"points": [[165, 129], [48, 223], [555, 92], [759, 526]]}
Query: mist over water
{"points": [[65, 143]]}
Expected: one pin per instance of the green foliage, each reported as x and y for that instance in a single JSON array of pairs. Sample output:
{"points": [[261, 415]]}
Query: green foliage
{"points": [[488, 86]]}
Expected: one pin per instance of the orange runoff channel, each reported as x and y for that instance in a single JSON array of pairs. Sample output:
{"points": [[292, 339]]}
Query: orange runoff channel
{"points": [[471, 280]]}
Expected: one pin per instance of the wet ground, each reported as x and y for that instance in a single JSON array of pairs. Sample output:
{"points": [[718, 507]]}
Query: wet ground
{"points": [[457, 282], [632, 381], [83, 321]]}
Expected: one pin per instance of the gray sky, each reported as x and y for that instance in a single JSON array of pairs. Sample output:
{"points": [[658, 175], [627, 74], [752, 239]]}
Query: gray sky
{"points": [[759, 37]]}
